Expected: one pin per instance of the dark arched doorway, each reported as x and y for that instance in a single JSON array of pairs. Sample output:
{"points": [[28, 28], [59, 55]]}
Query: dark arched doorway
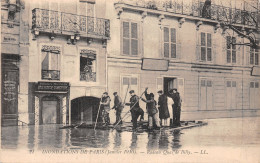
{"points": [[84, 109], [50, 112]]}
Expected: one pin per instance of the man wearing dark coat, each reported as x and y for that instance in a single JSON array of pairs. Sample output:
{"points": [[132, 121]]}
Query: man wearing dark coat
{"points": [[163, 108], [118, 106], [136, 111], [105, 108], [176, 107]]}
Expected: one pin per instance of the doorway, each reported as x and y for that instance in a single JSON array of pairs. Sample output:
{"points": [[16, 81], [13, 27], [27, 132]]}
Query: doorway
{"points": [[84, 109], [168, 84], [50, 112]]}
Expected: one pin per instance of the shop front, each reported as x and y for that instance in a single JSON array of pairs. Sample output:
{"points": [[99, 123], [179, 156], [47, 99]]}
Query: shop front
{"points": [[51, 101]]}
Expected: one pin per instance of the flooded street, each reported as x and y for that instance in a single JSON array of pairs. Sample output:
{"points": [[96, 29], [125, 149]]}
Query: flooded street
{"points": [[234, 133]]}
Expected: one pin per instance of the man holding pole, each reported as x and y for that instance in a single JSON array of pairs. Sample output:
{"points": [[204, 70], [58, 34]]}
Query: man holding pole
{"points": [[105, 105], [118, 106], [135, 108]]}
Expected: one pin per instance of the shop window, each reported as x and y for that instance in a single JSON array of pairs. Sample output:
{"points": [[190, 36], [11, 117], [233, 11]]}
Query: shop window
{"points": [[206, 47], [88, 66], [169, 43], [130, 39], [231, 49], [50, 63]]}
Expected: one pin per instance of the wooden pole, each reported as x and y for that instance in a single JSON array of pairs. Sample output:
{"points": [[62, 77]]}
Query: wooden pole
{"points": [[97, 114], [129, 110]]}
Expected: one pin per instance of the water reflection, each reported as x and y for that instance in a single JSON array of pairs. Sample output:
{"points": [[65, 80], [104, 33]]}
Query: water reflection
{"points": [[176, 139], [117, 140], [237, 133], [163, 141]]}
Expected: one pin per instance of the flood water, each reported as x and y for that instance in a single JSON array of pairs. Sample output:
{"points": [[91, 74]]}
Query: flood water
{"points": [[229, 133]]}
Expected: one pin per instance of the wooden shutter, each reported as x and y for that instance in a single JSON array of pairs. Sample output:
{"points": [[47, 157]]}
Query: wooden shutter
{"points": [[134, 39], [173, 43], [178, 44], [126, 38], [234, 50], [203, 46], [45, 60], [166, 42], [209, 47], [54, 65], [198, 46]]}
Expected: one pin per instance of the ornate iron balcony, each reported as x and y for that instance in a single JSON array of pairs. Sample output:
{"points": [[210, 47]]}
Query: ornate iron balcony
{"points": [[88, 76], [60, 22], [51, 74], [201, 10]]}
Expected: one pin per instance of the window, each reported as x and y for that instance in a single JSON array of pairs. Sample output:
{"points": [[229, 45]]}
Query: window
{"points": [[206, 47], [231, 49], [254, 95], [130, 38], [88, 65], [129, 82], [254, 56], [50, 62], [231, 91], [169, 43], [206, 94]]}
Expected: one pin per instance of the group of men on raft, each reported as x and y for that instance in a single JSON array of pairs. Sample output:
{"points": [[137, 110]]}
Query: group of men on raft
{"points": [[154, 121]]}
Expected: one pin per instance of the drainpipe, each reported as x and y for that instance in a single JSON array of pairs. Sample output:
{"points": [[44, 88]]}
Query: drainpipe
{"points": [[106, 70]]}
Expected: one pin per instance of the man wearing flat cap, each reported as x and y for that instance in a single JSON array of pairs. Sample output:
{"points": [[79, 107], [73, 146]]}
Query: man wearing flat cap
{"points": [[118, 106], [176, 107]]}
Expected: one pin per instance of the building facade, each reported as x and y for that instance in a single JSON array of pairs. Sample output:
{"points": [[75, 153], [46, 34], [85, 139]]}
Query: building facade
{"points": [[62, 79], [58, 57], [182, 44]]}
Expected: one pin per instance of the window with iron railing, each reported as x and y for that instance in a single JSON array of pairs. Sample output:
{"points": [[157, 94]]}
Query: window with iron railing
{"points": [[88, 66], [50, 63]]}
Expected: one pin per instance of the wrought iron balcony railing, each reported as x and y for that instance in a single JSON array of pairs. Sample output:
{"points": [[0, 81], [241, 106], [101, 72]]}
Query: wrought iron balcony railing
{"points": [[199, 9], [88, 77], [59, 22], [51, 74]]}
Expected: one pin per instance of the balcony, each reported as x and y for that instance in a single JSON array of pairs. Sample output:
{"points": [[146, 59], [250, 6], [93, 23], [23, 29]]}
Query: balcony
{"points": [[69, 24], [50, 75], [194, 10], [88, 76]]}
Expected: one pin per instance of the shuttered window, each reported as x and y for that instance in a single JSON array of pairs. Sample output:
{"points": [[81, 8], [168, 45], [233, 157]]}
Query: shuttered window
{"points": [[231, 49], [206, 47], [169, 45], [130, 38], [254, 56]]}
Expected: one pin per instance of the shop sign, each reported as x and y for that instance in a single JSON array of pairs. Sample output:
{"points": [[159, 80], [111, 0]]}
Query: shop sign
{"points": [[9, 90], [53, 86], [8, 38], [154, 64]]}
